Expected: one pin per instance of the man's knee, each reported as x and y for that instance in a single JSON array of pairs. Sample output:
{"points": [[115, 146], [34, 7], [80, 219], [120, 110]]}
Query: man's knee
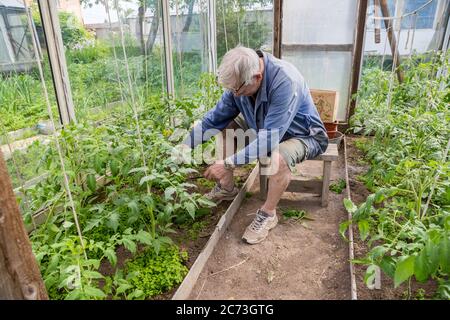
{"points": [[279, 165]]}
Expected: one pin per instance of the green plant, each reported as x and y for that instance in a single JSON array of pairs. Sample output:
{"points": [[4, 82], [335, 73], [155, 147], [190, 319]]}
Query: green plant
{"points": [[154, 274], [295, 214], [405, 221], [119, 202], [338, 187], [194, 230], [420, 294], [206, 183], [72, 30]]}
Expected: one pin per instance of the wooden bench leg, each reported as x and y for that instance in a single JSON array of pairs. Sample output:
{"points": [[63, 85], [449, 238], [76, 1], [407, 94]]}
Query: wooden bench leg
{"points": [[263, 183], [326, 182]]}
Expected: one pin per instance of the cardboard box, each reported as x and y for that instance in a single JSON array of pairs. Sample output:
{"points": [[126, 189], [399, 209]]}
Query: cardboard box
{"points": [[326, 102]]}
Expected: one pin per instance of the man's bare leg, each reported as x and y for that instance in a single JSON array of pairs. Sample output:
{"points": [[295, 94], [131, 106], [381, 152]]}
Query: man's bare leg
{"points": [[277, 184]]}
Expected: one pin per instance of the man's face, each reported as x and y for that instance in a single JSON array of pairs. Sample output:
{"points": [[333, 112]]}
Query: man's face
{"points": [[249, 89]]}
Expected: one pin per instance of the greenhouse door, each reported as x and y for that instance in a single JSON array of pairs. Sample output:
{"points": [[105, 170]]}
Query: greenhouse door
{"points": [[318, 38]]}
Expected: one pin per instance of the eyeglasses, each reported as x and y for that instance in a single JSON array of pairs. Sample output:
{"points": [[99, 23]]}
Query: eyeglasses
{"points": [[235, 91]]}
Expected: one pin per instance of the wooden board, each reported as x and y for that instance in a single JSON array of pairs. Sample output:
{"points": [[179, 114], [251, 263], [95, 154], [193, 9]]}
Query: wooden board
{"points": [[331, 154], [326, 102], [20, 277]]}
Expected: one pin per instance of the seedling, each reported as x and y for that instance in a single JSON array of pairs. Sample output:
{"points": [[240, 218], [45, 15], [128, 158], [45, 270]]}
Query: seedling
{"points": [[296, 214], [338, 187]]}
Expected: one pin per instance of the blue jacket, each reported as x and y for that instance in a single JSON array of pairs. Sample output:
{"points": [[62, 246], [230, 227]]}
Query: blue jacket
{"points": [[283, 105]]}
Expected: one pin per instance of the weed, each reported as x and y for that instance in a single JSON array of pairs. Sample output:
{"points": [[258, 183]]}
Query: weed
{"points": [[339, 186], [295, 214]]}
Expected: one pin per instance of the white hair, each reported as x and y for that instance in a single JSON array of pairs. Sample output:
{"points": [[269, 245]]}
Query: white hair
{"points": [[238, 65]]}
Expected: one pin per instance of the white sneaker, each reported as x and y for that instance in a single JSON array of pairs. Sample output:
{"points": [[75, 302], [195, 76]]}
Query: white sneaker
{"points": [[219, 194], [258, 230]]}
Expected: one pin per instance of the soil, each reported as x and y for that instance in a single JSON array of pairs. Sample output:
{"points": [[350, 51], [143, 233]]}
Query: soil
{"points": [[299, 259]]}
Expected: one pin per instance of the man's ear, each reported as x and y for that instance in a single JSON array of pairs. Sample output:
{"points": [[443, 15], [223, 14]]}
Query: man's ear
{"points": [[258, 76]]}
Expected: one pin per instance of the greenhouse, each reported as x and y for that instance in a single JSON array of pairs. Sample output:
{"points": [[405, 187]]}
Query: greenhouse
{"points": [[275, 149]]}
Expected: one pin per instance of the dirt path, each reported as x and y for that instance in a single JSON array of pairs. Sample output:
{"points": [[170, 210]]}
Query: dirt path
{"points": [[296, 261]]}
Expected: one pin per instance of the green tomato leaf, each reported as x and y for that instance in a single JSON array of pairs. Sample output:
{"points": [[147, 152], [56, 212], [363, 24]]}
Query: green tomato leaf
{"points": [[144, 237], [91, 182], [146, 179], [205, 202], [92, 223], [369, 277], [190, 207], [350, 206], [421, 266], [92, 274], [113, 221], [94, 292], [111, 255], [123, 287], [67, 224], [444, 254], [388, 266], [364, 229], [404, 270], [169, 192], [140, 169], [129, 244], [343, 227]]}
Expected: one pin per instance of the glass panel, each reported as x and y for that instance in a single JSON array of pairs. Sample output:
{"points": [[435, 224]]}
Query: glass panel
{"points": [[325, 70], [425, 17], [98, 69], [4, 46], [18, 29], [25, 130], [419, 39], [113, 168], [318, 22], [248, 23], [312, 22], [189, 27]]}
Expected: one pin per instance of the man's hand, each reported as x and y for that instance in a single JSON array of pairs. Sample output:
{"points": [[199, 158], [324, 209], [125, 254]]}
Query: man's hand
{"points": [[217, 171]]}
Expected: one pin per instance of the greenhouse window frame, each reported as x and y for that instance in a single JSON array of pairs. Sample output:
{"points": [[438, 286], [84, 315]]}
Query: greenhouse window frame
{"points": [[57, 60], [15, 62]]}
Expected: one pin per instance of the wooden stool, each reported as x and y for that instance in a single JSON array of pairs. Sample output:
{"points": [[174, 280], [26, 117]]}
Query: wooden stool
{"points": [[320, 187]]}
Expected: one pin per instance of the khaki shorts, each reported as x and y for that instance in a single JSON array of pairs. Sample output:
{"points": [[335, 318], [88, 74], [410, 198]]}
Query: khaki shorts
{"points": [[293, 150]]}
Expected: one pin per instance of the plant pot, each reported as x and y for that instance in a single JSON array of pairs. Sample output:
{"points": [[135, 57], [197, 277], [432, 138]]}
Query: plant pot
{"points": [[335, 137], [331, 126]]}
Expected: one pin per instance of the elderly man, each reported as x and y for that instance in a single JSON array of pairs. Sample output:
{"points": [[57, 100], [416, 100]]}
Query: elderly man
{"points": [[271, 97]]}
